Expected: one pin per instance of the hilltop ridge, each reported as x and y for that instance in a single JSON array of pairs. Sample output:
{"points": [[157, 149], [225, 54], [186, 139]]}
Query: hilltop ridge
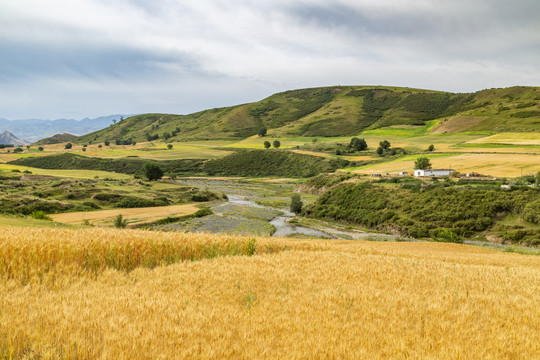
{"points": [[341, 111]]}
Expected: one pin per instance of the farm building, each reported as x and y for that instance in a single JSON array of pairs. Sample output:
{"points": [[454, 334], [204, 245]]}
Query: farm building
{"points": [[432, 172]]}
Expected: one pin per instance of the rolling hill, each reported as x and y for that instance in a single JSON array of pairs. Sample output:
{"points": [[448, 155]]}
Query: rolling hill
{"points": [[341, 111], [57, 139]]}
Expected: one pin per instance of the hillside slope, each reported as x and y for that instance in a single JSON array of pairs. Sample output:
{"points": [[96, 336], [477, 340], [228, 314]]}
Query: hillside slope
{"points": [[341, 111], [56, 139]]}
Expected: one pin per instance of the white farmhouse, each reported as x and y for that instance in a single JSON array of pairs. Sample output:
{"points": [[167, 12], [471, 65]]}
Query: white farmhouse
{"points": [[432, 172]]}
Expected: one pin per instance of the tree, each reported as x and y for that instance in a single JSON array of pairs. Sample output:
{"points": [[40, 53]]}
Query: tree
{"points": [[276, 144], [106, 143], [358, 144], [166, 136], [431, 147], [385, 144], [68, 146], [262, 131], [83, 149], [169, 146], [100, 146], [18, 150], [267, 145], [296, 204], [152, 171], [40, 148], [422, 163], [380, 151]]}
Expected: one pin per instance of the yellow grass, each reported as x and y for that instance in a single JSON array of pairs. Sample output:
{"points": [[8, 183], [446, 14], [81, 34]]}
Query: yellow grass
{"points": [[317, 299], [313, 153], [133, 215], [456, 124], [502, 165], [510, 138]]}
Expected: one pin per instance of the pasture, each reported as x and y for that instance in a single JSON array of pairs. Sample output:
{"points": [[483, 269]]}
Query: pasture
{"points": [[100, 292]]}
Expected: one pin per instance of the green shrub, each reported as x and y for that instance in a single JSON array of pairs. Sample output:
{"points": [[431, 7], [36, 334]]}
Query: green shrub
{"points": [[120, 222], [136, 202], [152, 171], [40, 215], [531, 212], [109, 197], [296, 204], [203, 212], [198, 197]]}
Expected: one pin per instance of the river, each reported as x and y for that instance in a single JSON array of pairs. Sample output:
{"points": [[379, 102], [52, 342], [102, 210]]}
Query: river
{"points": [[283, 227]]}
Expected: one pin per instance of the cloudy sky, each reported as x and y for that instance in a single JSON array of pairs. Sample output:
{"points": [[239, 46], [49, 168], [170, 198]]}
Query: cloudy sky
{"points": [[87, 58]]}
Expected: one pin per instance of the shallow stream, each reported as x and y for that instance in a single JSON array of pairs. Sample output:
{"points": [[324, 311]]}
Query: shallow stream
{"points": [[283, 227]]}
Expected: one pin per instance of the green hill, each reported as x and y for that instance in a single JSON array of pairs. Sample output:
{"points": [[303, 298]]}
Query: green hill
{"points": [[340, 111], [271, 163], [56, 139]]}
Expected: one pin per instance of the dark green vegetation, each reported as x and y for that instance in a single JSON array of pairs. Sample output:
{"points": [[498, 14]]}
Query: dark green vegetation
{"points": [[439, 211], [35, 195], [422, 163], [337, 111], [271, 163], [296, 204], [151, 171], [123, 165]]}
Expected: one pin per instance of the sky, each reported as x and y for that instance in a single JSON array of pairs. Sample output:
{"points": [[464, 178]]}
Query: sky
{"points": [[89, 58]]}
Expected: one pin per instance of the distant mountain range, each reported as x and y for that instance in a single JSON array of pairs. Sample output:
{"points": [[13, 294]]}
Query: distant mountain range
{"points": [[31, 130]]}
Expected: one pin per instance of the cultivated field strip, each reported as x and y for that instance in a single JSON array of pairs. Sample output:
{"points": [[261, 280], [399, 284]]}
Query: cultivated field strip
{"points": [[135, 215], [318, 299]]}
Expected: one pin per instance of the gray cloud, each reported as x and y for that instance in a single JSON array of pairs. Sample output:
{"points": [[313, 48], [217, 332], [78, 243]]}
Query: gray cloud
{"points": [[92, 57]]}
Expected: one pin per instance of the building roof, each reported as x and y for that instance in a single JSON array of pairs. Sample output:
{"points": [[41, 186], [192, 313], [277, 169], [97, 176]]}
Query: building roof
{"points": [[435, 169]]}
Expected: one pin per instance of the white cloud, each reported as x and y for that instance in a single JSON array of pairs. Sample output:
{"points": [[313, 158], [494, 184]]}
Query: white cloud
{"points": [[93, 57]]}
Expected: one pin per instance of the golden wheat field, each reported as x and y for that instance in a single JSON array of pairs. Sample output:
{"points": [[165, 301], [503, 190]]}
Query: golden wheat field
{"points": [[502, 165], [125, 294], [133, 215]]}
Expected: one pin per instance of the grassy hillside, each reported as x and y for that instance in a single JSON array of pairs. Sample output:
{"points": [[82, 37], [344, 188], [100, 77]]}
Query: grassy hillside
{"points": [[340, 111], [271, 163]]}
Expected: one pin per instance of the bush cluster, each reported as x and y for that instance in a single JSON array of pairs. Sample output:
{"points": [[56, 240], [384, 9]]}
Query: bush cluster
{"points": [[423, 212]]}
